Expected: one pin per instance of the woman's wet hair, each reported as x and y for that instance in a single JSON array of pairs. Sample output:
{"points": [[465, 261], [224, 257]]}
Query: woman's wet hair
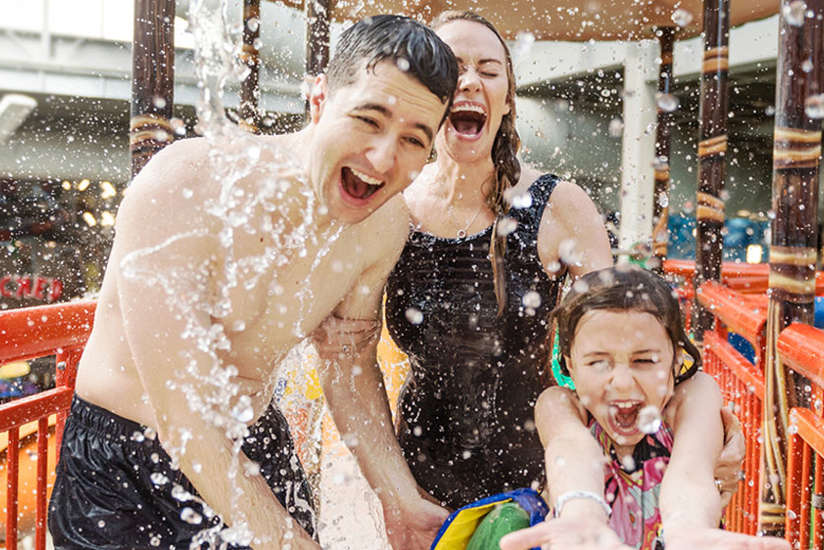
{"points": [[624, 288], [409, 45], [504, 156]]}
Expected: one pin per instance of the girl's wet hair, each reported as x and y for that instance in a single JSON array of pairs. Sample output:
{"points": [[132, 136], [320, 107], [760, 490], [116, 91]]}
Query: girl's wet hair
{"points": [[504, 156], [411, 46], [624, 288]]}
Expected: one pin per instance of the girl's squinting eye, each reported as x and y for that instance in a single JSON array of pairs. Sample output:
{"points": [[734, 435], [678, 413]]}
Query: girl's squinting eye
{"points": [[416, 142], [490, 75]]}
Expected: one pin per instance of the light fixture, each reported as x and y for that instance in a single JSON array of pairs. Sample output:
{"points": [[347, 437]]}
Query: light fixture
{"points": [[14, 108], [754, 253]]}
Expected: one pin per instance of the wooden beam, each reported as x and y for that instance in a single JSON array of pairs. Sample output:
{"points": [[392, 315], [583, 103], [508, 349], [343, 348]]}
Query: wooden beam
{"points": [[712, 150], [153, 57], [250, 56], [660, 215], [794, 236], [317, 39]]}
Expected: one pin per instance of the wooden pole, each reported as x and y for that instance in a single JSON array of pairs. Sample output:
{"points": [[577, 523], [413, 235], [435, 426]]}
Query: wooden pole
{"points": [[317, 39], [250, 56], [660, 216], [712, 149], [153, 57], [794, 237]]}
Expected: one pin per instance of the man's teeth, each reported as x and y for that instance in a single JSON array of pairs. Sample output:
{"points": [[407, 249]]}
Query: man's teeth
{"points": [[366, 178], [468, 107]]}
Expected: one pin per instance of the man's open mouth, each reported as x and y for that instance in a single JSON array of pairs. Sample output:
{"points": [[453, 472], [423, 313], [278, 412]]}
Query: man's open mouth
{"points": [[467, 119], [623, 416], [359, 185]]}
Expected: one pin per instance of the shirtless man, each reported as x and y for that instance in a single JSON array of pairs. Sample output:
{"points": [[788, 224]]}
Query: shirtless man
{"points": [[217, 269]]}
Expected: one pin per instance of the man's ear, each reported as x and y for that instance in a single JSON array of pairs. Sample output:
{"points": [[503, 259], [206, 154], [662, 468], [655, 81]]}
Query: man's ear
{"points": [[318, 97]]}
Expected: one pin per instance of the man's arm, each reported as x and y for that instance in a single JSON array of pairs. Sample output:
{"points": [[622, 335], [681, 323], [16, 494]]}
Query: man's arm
{"points": [[162, 288], [353, 386]]}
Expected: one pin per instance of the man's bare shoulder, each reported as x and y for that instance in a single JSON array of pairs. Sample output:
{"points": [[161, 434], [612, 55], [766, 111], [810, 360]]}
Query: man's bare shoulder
{"points": [[388, 227]]}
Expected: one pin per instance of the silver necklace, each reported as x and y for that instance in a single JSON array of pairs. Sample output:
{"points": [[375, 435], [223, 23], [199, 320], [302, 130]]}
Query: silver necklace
{"points": [[462, 232]]}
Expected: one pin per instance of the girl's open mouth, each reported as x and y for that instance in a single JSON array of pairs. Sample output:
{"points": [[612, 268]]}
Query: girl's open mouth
{"points": [[358, 185], [623, 416]]}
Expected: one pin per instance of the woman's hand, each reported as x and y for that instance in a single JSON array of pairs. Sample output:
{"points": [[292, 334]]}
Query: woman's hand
{"points": [[718, 539], [413, 524], [565, 534], [728, 467]]}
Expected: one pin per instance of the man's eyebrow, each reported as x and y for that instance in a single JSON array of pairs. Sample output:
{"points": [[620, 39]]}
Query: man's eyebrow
{"points": [[382, 109]]}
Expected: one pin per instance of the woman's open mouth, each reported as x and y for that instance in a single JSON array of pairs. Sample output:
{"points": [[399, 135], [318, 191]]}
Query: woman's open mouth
{"points": [[623, 416], [467, 119], [357, 185]]}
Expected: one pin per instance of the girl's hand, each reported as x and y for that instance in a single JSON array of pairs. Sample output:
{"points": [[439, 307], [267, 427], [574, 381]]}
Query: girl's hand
{"points": [[728, 467], [565, 534], [690, 538]]}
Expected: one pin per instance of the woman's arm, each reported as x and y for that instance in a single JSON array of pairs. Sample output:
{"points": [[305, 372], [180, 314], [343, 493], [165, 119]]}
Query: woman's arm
{"points": [[689, 500]]}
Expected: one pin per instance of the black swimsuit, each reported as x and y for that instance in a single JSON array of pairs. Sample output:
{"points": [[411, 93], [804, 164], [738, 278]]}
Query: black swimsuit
{"points": [[466, 411]]}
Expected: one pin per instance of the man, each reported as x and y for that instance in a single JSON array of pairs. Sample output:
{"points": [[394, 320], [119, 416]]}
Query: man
{"points": [[218, 267]]}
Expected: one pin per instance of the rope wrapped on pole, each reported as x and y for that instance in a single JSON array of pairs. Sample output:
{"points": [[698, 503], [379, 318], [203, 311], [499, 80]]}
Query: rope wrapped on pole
{"points": [[660, 216], [250, 56], [794, 236], [153, 60], [712, 149]]}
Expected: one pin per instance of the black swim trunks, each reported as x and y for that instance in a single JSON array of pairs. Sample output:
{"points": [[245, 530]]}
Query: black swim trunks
{"points": [[116, 488]]}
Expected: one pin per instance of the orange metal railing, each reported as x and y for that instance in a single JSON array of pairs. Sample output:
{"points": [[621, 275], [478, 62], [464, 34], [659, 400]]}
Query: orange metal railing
{"points": [[742, 386], [801, 348], [60, 330]]}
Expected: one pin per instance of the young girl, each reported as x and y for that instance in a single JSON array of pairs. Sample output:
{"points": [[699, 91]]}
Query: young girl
{"points": [[624, 345]]}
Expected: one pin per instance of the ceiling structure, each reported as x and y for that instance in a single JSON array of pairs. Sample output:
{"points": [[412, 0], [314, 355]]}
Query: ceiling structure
{"points": [[568, 20]]}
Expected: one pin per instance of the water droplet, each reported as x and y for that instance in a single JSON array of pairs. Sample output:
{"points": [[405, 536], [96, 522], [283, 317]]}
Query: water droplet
{"points": [[522, 200], [616, 127], [769, 111], [649, 419], [190, 516], [506, 226], [414, 316], [101, 524], [807, 65], [667, 102], [580, 286], [531, 299], [628, 463], [187, 193], [251, 468], [814, 106], [159, 479], [794, 13], [253, 24], [417, 431], [569, 253], [155, 540], [181, 494], [138, 436], [159, 102], [681, 17], [663, 199], [523, 43], [243, 411], [403, 64]]}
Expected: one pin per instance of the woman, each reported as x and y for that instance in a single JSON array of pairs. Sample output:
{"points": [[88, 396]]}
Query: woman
{"points": [[469, 298], [475, 330]]}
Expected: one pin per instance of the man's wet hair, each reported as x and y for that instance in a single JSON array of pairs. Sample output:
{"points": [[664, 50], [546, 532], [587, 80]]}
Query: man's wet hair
{"points": [[409, 45]]}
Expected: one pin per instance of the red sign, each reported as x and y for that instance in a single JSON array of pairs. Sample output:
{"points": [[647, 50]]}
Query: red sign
{"points": [[32, 287]]}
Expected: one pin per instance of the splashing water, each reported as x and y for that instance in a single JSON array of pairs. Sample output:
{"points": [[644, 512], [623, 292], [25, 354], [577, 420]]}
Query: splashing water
{"points": [[649, 419], [681, 17], [667, 102], [794, 13], [814, 106]]}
